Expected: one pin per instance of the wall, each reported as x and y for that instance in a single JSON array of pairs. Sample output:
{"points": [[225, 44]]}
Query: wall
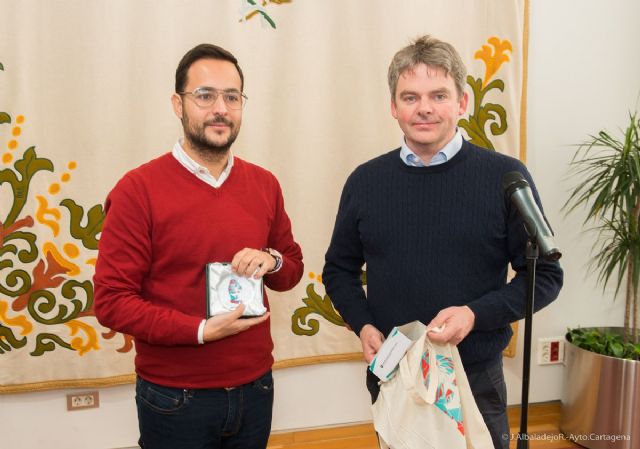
{"points": [[584, 74]]}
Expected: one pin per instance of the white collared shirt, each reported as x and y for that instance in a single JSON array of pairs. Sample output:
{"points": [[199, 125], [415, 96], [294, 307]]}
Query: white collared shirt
{"points": [[201, 172], [445, 154]]}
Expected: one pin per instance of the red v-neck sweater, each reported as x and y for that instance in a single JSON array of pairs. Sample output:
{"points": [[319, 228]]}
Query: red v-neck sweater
{"points": [[162, 226]]}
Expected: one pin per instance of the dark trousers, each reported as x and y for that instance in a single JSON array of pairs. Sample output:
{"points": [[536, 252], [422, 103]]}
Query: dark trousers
{"points": [[490, 394], [217, 418]]}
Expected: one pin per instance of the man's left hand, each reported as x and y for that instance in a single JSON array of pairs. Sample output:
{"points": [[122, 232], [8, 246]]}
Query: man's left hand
{"points": [[457, 321], [252, 262]]}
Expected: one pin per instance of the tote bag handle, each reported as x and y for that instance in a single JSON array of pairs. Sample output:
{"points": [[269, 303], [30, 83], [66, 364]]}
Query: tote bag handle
{"points": [[411, 371]]}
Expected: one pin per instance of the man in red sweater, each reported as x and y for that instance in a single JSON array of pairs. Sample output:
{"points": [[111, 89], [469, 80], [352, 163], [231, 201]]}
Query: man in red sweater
{"points": [[202, 383]]}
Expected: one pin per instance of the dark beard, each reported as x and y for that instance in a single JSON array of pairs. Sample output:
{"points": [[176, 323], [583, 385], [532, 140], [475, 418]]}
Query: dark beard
{"points": [[198, 140]]}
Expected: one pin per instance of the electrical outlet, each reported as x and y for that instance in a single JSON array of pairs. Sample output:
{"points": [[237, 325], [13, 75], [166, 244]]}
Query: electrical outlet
{"points": [[550, 350], [81, 401]]}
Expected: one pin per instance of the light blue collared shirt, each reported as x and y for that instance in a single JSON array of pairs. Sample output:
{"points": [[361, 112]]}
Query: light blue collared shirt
{"points": [[445, 154]]}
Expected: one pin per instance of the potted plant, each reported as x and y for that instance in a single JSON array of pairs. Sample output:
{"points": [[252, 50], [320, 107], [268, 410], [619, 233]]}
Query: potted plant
{"points": [[601, 392]]}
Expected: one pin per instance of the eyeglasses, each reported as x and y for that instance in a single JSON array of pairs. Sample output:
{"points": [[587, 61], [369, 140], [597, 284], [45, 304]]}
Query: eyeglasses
{"points": [[206, 97]]}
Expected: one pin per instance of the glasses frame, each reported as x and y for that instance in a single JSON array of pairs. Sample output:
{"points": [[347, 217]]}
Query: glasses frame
{"points": [[216, 93]]}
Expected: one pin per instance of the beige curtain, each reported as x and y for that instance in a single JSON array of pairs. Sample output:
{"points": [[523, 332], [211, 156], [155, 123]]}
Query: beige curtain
{"points": [[84, 97]]}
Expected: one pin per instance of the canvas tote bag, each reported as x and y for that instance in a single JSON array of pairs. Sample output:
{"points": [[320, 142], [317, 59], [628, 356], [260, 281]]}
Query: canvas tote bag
{"points": [[428, 404]]}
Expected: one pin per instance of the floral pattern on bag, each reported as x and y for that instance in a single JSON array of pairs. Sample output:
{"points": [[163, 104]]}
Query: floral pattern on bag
{"points": [[447, 394]]}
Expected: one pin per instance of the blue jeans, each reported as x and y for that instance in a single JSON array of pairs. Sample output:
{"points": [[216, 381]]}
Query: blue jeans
{"points": [[216, 418]]}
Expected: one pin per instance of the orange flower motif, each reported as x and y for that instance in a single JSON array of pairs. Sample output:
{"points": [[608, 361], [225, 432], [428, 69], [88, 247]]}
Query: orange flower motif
{"points": [[26, 222], [44, 210], [19, 320], [49, 275], [78, 343], [50, 249], [128, 341], [493, 58]]}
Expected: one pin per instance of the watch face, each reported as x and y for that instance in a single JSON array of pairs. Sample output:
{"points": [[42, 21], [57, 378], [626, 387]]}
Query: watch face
{"points": [[233, 290]]}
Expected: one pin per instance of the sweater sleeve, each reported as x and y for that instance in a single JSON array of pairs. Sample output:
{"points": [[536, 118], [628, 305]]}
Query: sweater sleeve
{"points": [[124, 261], [344, 260], [281, 239], [498, 308]]}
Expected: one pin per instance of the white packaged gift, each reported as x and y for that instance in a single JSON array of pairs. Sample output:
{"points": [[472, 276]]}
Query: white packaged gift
{"points": [[226, 290], [385, 363]]}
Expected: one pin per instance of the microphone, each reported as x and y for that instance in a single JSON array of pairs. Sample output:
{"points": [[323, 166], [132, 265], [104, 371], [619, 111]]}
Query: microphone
{"points": [[517, 189]]}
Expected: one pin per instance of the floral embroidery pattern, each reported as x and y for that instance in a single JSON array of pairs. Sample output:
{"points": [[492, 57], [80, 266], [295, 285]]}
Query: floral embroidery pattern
{"points": [[447, 392], [47, 255]]}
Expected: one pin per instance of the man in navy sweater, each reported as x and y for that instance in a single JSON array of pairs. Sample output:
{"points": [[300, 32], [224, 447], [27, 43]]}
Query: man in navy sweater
{"points": [[430, 222]]}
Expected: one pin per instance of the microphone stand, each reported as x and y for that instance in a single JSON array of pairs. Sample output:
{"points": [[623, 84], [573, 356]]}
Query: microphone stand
{"points": [[532, 257]]}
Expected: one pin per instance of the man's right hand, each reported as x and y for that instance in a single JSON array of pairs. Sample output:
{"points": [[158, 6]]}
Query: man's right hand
{"points": [[371, 339], [231, 323]]}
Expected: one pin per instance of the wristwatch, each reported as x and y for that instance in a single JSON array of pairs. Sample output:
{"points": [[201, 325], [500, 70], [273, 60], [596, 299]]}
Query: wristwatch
{"points": [[277, 256]]}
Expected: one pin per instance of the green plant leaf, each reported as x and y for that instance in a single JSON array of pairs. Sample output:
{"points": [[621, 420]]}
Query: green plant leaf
{"points": [[606, 343], [617, 349], [606, 169]]}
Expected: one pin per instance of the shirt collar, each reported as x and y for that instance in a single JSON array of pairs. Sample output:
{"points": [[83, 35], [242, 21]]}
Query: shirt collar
{"points": [[191, 165], [445, 154]]}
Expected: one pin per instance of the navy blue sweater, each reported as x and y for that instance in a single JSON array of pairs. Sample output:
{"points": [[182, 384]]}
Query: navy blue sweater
{"points": [[434, 237]]}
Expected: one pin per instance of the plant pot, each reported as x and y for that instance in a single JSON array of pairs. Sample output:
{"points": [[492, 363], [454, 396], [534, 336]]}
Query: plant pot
{"points": [[601, 399]]}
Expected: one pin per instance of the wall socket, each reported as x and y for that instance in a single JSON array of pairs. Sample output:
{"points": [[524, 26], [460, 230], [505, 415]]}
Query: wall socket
{"points": [[550, 350], [84, 400]]}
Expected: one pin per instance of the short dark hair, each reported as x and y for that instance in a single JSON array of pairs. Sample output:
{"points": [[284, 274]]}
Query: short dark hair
{"points": [[204, 51]]}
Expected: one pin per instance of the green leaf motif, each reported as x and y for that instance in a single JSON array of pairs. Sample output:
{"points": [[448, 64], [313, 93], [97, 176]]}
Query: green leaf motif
{"points": [[95, 218], [1, 66], [25, 256], [483, 113], [43, 302], [69, 291], [4, 118], [27, 167], [18, 282], [43, 346], [315, 304], [9, 341], [263, 14]]}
